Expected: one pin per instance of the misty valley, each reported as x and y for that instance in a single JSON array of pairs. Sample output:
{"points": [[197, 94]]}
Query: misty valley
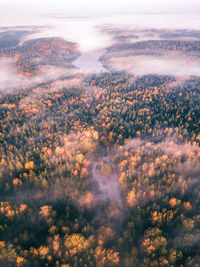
{"points": [[100, 150]]}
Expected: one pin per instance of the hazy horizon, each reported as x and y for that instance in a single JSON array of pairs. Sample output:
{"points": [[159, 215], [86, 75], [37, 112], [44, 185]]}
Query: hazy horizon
{"points": [[103, 6]]}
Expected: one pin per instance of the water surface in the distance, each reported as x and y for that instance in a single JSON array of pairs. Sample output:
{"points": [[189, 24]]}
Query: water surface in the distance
{"points": [[89, 61]]}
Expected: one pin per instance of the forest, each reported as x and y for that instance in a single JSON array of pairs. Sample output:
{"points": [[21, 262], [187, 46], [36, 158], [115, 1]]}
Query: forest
{"points": [[101, 173], [31, 57]]}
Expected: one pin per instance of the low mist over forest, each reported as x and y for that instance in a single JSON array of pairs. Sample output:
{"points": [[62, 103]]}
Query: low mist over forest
{"points": [[100, 134]]}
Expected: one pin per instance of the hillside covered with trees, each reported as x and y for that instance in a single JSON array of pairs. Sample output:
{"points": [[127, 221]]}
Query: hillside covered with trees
{"points": [[101, 173]]}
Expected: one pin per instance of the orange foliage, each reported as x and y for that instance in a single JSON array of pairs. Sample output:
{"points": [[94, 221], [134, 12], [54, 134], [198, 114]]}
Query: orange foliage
{"points": [[17, 182], [173, 202], [43, 251], [22, 208], [29, 165], [106, 257], [20, 261], [45, 211], [187, 206]]}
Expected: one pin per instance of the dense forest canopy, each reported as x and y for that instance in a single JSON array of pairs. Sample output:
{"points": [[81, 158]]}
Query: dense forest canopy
{"points": [[99, 169]]}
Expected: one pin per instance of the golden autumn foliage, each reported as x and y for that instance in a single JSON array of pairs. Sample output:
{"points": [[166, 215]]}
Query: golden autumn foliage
{"points": [[20, 261], [3, 162], [29, 165], [131, 198], [153, 241], [43, 251], [157, 217], [147, 246], [76, 243], [140, 135], [2, 244], [17, 182], [106, 257], [173, 202], [56, 245], [23, 208], [45, 211]]}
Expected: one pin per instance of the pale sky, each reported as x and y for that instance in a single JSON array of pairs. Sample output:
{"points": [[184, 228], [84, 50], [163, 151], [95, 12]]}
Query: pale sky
{"points": [[76, 20], [103, 6], [82, 21]]}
